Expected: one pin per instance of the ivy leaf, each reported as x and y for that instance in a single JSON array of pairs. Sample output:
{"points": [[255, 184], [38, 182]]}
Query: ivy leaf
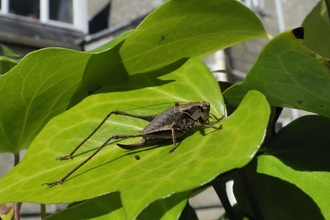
{"points": [[166, 208], [286, 65], [295, 166], [103, 207], [188, 28], [8, 59], [175, 30], [36, 90], [317, 26], [199, 158], [109, 207], [49, 81]]}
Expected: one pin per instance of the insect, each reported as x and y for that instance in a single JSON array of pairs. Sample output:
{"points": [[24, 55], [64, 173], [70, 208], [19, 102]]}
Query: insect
{"points": [[162, 37], [171, 124]]}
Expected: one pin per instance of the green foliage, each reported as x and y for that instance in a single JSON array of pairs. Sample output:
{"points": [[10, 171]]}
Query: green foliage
{"points": [[318, 26], [156, 165], [285, 64], [8, 59], [36, 90], [53, 98]]}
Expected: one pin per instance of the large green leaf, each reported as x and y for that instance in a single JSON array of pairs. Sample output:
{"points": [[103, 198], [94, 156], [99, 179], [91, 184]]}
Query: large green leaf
{"points": [[166, 208], [296, 165], [175, 30], [317, 26], [289, 75], [47, 82], [103, 207], [198, 159], [109, 207], [188, 28], [36, 90]]}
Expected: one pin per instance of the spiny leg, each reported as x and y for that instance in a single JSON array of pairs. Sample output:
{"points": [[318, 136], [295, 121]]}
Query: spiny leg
{"points": [[216, 117], [115, 112], [90, 157], [208, 126], [173, 138]]}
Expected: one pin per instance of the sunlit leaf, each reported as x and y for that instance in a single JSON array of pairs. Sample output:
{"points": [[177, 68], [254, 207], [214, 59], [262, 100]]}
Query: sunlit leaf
{"points": [[49, 81], [198, 159], [36, 90], [294, 166]]}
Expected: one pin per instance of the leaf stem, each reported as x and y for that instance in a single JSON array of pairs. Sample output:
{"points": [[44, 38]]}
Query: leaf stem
{"points": [[16, 159], [16, 205], [220, 188], [16, 211], [43, 211], [248, 190]]}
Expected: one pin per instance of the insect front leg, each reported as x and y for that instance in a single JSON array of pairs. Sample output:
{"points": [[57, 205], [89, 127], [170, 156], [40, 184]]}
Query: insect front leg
{"points": [[208, 126], [115, 112], [216, 117]]}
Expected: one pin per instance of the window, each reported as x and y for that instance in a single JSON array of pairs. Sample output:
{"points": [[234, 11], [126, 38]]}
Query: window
{"points": [[61, 10], [63, 13], [28, 8]]}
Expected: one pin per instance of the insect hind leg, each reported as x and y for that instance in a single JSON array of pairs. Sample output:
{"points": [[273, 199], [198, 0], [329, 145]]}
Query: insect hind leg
{"points": [[114, 112], [90, 157]]}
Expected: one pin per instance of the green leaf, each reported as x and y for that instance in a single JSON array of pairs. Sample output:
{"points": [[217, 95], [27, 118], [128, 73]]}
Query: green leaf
{"points": [[36, 90], [166, 208], [109, 207], [175, 30], [276, 197], [317, 26], [198, 159], [8, 59], [188, 213], [188, 28], [47, 82], [303, 144], [296, 166], [289, 75], [103, 207]]}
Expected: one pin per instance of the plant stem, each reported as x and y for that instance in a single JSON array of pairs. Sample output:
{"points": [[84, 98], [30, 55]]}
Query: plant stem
{"points": [[16, 205], [43, 211], [16, 159], [220, 188], [248, 190], [16, 211]]}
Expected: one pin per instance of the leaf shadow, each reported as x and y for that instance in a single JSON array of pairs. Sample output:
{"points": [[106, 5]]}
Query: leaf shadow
{"points": [[105, 72], [303, 144], [277, 198], [159, 208], [143, 80], [91, 208]]}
